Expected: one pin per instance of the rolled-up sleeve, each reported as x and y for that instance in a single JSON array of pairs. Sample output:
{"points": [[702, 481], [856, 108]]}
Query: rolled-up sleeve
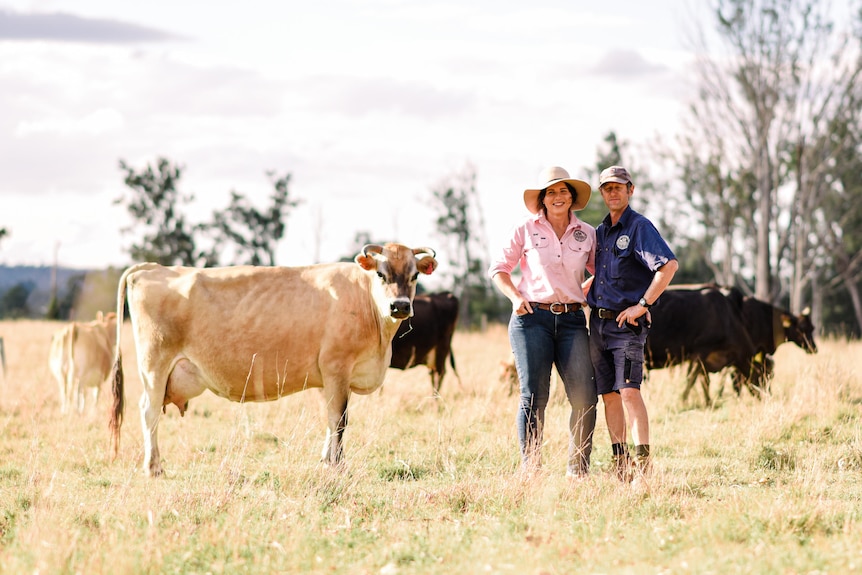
{"points": [[508, 258]]}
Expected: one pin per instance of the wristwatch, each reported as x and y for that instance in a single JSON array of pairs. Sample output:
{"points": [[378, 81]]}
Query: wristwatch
{"points": [[643, 302]]}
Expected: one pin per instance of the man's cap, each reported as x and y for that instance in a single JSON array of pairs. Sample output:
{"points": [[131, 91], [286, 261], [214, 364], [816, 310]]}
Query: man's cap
{"points": [[615, 174]]}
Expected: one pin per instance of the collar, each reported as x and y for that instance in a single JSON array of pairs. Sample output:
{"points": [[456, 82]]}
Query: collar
{"points": [[628, 214], [574, 221]]}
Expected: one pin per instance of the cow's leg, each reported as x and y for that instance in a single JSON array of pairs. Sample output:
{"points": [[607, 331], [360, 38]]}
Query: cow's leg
{"points": [[64, 395], [755, 382], [704, 384], [336, 410], [739, 380], [80, 397], [95, 395], [82, 386], [690, 378], [150, 414], [151, 410], [71, 402], [697, 371], [436, 381], [439, 369]]}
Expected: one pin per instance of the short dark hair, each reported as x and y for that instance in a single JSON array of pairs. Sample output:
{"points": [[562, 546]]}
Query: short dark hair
{"points": [[540, 200]]}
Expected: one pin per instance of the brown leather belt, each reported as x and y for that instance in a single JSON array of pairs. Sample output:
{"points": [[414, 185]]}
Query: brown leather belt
{"points": [[557, 308], [603, 313]]}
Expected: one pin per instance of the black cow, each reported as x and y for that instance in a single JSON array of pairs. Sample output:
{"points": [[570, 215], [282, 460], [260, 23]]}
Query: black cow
{"points": [[702, 325], [768, 327], [426, 338], [691, 323]]}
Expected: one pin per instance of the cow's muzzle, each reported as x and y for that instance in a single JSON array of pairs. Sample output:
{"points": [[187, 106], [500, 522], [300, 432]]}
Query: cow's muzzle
{"points": [[400, 309]]}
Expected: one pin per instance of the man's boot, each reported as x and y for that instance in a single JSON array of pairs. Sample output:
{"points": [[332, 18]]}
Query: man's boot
{"points": [[642, 460], [622, 462]]}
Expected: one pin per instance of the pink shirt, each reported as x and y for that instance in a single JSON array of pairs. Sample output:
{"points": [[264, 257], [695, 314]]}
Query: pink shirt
{"points": [[552, 270]]}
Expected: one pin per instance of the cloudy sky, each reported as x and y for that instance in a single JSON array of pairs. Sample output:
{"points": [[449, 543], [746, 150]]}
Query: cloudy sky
{"points": [[368, 104]]}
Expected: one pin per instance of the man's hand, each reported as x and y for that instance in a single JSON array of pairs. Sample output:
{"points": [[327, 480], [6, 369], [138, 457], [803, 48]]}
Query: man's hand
{"points": [[631, 315]]}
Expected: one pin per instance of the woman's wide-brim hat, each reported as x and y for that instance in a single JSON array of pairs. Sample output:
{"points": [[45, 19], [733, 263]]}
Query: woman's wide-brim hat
{"points": [[551, 176]]}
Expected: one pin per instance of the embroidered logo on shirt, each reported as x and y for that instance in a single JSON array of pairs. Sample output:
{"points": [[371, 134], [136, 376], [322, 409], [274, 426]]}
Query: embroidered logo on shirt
{"points": [[579, 236], [623, 242]]}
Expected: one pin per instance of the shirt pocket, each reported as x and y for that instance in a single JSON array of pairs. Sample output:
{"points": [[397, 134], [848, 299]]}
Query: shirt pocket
{"points": [[539, 241], [539, 250], [621, 260], [584, 245], [577, 253]]}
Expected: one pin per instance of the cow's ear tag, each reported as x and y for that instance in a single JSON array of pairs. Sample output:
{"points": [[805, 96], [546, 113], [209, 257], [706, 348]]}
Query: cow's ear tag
{"points": [[366, 262]]}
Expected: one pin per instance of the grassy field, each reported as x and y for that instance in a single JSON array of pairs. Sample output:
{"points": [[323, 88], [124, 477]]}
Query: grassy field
{"points": [[431, 486]]}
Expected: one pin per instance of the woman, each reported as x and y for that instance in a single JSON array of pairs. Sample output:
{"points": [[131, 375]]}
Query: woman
{"points": [[553, 248]]}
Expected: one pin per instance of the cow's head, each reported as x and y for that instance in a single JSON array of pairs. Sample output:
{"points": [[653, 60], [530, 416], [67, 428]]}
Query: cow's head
{"points": [[398, 268], [800, 330]]}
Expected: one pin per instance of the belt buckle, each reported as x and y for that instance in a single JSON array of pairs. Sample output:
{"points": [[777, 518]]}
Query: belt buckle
{"points": [[551, 308]]}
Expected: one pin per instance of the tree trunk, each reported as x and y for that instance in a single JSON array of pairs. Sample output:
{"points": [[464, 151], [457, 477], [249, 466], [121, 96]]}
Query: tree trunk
{"points": [[763, 270], [853, 290]]}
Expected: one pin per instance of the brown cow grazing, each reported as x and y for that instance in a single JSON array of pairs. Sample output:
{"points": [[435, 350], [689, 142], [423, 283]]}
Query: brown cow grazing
{"points": [[80, 358], [259, 333], [426, 338]]}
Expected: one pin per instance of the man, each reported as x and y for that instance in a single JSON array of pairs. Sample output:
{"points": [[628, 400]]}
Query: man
{"points": [[634, 265]]}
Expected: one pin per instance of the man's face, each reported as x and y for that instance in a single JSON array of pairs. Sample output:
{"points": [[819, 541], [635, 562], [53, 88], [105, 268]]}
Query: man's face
{"points": [[616, 195]]}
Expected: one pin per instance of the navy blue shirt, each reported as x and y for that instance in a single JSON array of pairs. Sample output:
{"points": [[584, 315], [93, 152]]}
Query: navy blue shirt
{"points": [[627, 257]]}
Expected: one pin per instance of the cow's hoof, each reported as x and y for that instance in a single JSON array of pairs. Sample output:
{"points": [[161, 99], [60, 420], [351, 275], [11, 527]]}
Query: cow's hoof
{"points": [[334, 465], [154, 470]]}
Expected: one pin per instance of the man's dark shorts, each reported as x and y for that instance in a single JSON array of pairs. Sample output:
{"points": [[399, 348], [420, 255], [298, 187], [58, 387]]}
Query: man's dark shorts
{"points": [[617, 353]]}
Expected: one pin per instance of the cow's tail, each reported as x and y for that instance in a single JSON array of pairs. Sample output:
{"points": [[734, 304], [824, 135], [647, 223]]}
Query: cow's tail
{"points": [[455, 369], [118, 392]]}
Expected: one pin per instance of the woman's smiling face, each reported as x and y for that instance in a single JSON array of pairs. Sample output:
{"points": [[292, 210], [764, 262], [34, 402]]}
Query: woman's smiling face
{"points": [[558, 198]]}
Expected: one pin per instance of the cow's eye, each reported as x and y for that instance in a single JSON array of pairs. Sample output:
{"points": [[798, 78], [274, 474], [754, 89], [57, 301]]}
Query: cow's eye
{"points": [[415, 277], [381, 276]]}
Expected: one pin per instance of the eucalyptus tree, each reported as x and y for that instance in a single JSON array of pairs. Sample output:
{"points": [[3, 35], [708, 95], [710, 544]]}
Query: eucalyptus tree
{"points": [[838, 225], [154, 203], [770, 80], [252, 234], [246, 234], [461, 225]]}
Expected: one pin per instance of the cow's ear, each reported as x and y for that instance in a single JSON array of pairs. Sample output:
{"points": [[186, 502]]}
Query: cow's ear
{"points": [[366, 262], [426, 265], [806, 311]]}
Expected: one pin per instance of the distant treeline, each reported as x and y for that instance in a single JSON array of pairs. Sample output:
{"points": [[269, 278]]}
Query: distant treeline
{"points": [[61, 293]]}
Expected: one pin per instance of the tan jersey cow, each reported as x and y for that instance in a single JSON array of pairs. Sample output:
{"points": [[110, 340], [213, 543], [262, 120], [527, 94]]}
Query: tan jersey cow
{"points": [[259, 333], [80, 358]]}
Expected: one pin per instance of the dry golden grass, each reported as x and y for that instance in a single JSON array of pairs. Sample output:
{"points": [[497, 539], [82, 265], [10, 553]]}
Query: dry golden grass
{"points": [[431, 486]]}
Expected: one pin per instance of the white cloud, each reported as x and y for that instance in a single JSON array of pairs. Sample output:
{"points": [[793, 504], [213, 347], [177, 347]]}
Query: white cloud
{"points": [[100, 122], [367, 104]]}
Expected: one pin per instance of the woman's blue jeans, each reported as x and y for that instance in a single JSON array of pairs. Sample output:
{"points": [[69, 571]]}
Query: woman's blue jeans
{"points": [[540, 340]]}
